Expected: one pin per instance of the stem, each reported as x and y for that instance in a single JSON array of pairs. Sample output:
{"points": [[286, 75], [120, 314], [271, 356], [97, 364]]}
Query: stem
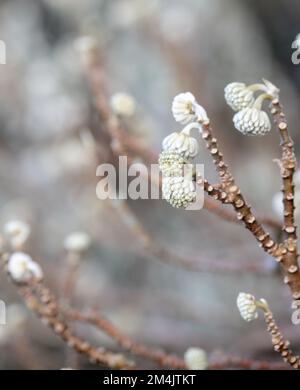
{"points": [[234, 196], [280, 344], [194, 125], [260, 99], [288, 165], [212, 146], [256, 87], [126, 342]]}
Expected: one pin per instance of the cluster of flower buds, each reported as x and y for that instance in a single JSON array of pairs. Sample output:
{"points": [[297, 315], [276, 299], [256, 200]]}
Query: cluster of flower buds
{"points": [[248, 305], [178, 187], [250, 119]]}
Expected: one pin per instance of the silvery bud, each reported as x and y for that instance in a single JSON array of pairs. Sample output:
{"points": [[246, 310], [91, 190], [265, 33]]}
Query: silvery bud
{"points": [[252, 121]]}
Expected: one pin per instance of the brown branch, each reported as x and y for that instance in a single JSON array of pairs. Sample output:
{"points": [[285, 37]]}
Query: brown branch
{"points": [[167, 256], [161, 357], [287, 165], [42, 302], [229, 215], [213, 148], [126, 342], [287, 169], [280, 344], [230, 193], [80, 345], [245, 364], [284, 253]]}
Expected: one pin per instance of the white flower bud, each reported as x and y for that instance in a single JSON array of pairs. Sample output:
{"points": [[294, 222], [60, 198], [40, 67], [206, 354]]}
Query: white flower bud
{"points": [[181, 143], [17, 232], [123, 104], [22, 268], [196, 359], [237, 96], [247, 306], [186, 109], [171, 163], [252, 121], [77, 242], [178, 191], [85, 44]]}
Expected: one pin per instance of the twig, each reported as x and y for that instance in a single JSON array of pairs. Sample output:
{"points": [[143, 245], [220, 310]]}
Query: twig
{"points": [[245, 364], [42, 302], [230, 193], [280, 344], [126, 342], [287, 169], [166, 256], [285, 253], [160, 357]]}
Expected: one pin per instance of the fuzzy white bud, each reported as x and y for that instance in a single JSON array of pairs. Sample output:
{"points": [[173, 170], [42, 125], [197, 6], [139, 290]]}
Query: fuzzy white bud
{"points": [[178, 191], [186, 109], [171, 163], [237, 96], [252, 121], [247, 306], [123, 104], [17, 232], [181, 143], [22, 268], [196, 359], [77, 242]]}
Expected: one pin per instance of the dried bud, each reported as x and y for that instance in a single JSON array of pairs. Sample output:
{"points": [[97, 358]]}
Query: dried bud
{"points": [[186, 109], [181, 143], [247, 306], [123, 104], [238, 96], [196, 359], [179, 191], [252, 121], [22, 268]]}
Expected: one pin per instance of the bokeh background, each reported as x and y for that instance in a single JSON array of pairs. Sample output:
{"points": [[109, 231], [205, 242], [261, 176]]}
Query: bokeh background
{"points": [[152, 50]]}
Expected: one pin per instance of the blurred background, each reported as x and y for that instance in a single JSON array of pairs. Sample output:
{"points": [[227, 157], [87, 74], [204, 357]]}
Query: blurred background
{"points": [[152, 50]]}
